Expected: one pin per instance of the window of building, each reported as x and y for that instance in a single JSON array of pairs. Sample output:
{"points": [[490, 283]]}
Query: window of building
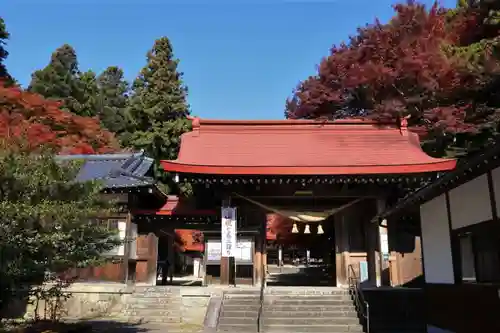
{"points": [[480, 255], [487, 256], [467, 259]]}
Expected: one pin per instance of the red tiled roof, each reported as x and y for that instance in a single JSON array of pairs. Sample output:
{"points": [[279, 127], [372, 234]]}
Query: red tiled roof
{"points": [[301, 147]]}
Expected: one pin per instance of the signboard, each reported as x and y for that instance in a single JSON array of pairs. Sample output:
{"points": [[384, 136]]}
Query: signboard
{"points": [[244, 249], [213, 251], [363, 271], [228, 231], [243, 252]]}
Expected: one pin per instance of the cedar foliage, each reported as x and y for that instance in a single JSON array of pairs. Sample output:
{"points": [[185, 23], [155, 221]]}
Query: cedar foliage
{"points": [[112, 100], [4, 36], [158, 108], [438, 66], [62, 80]]}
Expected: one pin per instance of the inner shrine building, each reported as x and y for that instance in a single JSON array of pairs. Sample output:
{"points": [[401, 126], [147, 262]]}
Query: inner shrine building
{"points": [[315, 185]]}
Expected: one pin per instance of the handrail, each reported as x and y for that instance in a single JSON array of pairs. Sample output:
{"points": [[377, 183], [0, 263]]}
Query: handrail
{"points": [[221, 305], [361, 305], [261, 301]]}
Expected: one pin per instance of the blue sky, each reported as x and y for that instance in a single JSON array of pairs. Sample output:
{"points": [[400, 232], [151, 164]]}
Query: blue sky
{"points": [[241, 59]]}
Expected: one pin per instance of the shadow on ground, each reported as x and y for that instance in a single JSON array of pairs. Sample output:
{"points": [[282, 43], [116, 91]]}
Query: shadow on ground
{"points": [[186, 283], [81, 327], [317, 275]]}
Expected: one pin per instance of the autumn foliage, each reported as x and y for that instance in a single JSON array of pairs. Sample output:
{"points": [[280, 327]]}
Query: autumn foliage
{"points": [[33, 122], [430, 65]]}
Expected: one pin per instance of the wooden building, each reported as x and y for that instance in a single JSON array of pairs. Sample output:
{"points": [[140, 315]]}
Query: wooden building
{"points": [[461, 245], [303, 174], [126, 179]]}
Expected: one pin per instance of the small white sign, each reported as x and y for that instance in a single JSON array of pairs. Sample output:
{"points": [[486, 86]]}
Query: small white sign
{"points": [[228, 231], [213, 251], [243, 250]]}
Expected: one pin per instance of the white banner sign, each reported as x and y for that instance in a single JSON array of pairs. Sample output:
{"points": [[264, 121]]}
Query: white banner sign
{"points": [[228, 232]]}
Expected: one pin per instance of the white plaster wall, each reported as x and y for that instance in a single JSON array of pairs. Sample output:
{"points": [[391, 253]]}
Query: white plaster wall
{"points": [[470, 203], [436, 242], [496, 186]]}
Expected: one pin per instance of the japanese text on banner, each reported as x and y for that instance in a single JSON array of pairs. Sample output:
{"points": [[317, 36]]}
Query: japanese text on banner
{"points": [[228, 231]]}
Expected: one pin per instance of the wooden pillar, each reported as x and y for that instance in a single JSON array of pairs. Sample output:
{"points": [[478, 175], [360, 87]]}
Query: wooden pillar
{"points": [[394, 257], [126, 250], [263, 248], [153, 261], [224, 270], [374, 256], [383, 247], [372, 253], [341, 249], [171, 257], [147, 258], [257, 261], [225, 263], [264, 257]]}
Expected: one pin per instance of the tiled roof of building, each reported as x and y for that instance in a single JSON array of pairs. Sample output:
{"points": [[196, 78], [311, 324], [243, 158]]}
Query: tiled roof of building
{"points": [[115, 170], [301, 147], [482, 162]]}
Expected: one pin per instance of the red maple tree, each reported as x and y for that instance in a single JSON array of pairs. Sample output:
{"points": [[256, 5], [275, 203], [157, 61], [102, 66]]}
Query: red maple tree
{"points": [[29, 120], [410, 67]]}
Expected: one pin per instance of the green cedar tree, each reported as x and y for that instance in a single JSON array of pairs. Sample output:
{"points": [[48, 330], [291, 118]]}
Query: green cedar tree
{"points": [[158, 107]]}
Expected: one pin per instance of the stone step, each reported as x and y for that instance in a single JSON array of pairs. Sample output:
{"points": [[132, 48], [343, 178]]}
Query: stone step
{"points": [[238, 314], [305, 292], [147, 313], [304, 321], [313, 328], [307, 308], [241, 301], [241, 292], [149, 296], [151, 319], [273, 313], [152, 305], [161, 289], [151, 300], [307, 302], [238, 321], [144, 326], [311, 297], [239, 328], [236, 307]]}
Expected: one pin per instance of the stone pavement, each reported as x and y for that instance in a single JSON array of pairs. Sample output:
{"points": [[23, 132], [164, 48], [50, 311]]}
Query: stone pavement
{"points": [[116, 326]]}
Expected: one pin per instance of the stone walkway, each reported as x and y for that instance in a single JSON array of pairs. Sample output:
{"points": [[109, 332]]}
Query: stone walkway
{"points": [[116, 326]]}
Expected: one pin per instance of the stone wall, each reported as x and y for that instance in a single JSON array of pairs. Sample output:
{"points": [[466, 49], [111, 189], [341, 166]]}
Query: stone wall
{"points": [[100, 300], [87, 300], [114, 301]]}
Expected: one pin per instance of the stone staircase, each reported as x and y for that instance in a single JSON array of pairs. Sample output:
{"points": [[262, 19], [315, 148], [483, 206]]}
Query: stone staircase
{"points": [[160, 307], [239, 311], [309, 311], [153, 305]]}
